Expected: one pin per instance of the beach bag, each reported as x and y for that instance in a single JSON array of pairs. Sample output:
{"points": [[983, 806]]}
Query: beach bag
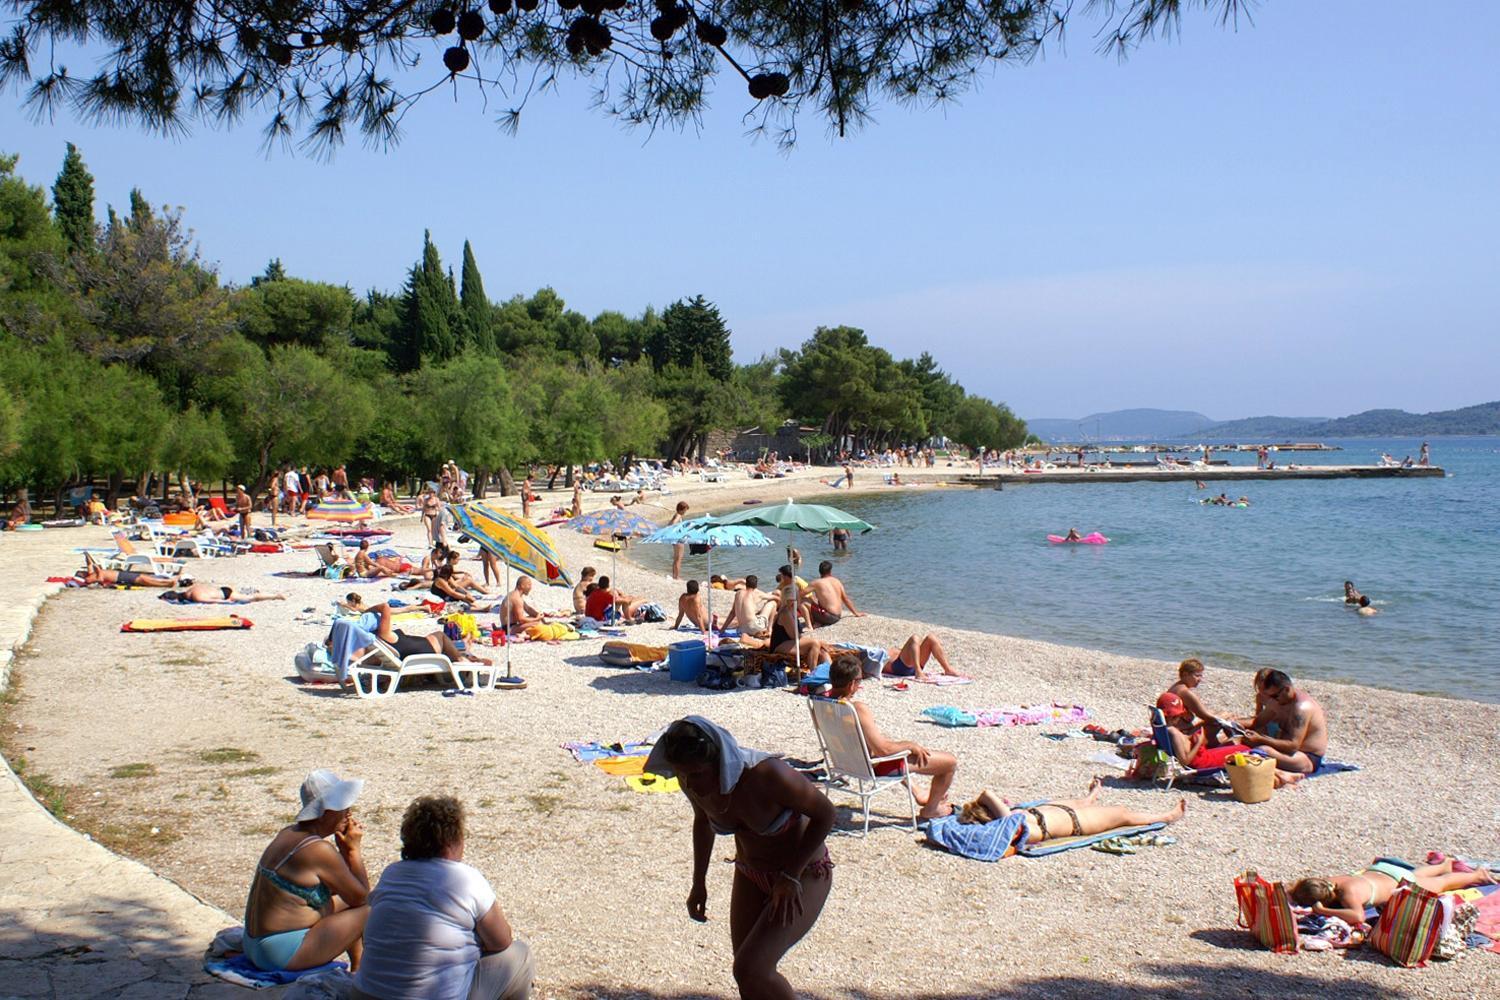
{"points": [[1266, 913], [1410, 925], [652, 613], [1251, 778], [717, 679], [773, 675]]}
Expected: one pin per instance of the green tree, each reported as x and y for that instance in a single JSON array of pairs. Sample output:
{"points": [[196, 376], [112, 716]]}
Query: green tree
{"points": [[196, 444], [479, 313], [692, 330], [291, 311], [288, 403], [468, 414], [32, 302], [147, 298], [274, 272], [430, 316], [980, 424], [73, 202]]}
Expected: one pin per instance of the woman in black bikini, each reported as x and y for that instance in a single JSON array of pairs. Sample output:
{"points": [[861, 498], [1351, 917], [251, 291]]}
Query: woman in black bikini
{"points": [[779, 820], [1063, 818], [410, 645]]}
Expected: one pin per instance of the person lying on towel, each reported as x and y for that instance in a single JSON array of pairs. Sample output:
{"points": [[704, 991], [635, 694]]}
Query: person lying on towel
{"points": [[844, 677], [1347, 896], [210, 593], [1063, 818], [95, 575]]}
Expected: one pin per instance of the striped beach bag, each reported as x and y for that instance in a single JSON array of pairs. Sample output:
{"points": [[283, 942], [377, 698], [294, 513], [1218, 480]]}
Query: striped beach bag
{"points": [[1266, 913], [1410, 925]]}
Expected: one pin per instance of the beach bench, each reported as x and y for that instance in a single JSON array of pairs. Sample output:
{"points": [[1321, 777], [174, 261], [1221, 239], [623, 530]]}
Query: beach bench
{"points": [[125, 556], [378, 672], [846, 757]]}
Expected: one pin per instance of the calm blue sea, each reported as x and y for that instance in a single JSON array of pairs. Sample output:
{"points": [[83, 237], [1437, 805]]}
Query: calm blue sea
{"points": [[1238, 587]]}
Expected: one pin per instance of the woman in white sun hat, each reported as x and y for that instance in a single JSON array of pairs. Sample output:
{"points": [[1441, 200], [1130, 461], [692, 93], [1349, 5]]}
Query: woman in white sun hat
{"points": [[292, 918]]}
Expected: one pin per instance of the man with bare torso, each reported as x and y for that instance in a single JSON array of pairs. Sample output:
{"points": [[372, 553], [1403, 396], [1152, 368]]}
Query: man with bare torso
{"points": [[1300, 728], [828, 598], [749, 604], [517, 612]]}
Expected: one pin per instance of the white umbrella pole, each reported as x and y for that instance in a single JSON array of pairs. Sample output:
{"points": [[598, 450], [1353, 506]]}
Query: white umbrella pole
{"points": [[710, 597], [796, 616], [505, 624]]}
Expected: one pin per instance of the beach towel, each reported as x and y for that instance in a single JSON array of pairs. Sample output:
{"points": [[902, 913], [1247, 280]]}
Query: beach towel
{"points": [[313, 664], [628, 654], [945, 680], [734, 759], [1488, 923], [551, 632], [345, 638], [980, 841], [237, 969], [1016, 715], [648, 782], [1062, 844], [622, 767], [186, 624], [947, 715], [1332, 767], [587, 753]]}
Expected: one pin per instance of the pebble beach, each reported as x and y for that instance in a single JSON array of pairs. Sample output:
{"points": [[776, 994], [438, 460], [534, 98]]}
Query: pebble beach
{"points": [[185, 750]]}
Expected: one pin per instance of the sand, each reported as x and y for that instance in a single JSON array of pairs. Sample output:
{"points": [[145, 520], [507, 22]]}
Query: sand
{"points": [[219, 736]]}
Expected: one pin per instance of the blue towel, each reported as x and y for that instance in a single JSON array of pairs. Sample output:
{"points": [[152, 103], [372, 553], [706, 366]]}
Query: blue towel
{"points": [[980, 841], [947, 715], [345, 638], [241, 972], [1333, 767]]}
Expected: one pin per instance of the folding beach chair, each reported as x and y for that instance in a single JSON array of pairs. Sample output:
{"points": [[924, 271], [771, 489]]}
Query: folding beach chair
{"points": [[1175, 768], [847, 760], [378, 673]]}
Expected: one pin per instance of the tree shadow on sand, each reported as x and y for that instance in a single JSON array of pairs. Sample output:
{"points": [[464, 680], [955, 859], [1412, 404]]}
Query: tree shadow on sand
{"points": [[1160, 981]]}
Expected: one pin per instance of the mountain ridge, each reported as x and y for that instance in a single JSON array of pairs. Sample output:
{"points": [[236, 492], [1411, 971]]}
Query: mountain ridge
{"points": [[1149, 424]]}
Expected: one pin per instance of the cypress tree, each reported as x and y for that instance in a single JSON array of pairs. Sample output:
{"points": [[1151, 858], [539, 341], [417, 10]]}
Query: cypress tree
{"points": [[430, 314], [479, 315], [73, 202]]}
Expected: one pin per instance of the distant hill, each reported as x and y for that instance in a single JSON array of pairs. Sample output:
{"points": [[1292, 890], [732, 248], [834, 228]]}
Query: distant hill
{"points": [[1481, 419], [1185, 425], [1260, 429], [1121, 425]]}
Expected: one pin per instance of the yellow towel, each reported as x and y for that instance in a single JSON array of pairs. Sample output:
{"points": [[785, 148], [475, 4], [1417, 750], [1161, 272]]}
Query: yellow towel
{"points": [[622, 767], [647, 782]]}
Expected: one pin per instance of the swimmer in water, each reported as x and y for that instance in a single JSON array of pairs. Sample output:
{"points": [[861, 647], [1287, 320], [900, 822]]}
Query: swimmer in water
{"points": [[1351, 596], [1200, 484], [1366, 608], [1074, 536]]}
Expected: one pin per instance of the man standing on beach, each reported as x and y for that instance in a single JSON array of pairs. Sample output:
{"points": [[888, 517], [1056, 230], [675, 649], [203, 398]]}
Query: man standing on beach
{"points": [[828, 597], [242, 507], [1301, 728]]}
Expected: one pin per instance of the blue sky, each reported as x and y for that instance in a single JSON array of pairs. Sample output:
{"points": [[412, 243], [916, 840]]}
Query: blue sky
{"points": [[1298, 217]]}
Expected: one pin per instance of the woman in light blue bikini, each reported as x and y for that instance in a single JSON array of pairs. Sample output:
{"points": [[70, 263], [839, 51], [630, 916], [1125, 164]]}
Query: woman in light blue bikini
{"points": [[292, 920], [1348, 896], [779, 821]]}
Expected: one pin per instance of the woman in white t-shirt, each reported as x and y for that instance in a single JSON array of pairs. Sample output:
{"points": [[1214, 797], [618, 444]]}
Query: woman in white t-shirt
{"points": [[435, 931]]}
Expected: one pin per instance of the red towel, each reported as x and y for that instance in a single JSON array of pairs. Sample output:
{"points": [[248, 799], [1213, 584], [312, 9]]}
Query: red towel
{"points": [[1488, 923]]}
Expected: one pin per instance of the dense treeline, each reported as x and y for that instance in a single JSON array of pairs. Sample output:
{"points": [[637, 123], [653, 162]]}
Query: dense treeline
{"points": [[121, 354]]}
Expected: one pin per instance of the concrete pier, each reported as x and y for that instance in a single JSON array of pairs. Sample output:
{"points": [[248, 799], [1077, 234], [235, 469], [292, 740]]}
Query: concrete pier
{"points": [[1214, 473]]}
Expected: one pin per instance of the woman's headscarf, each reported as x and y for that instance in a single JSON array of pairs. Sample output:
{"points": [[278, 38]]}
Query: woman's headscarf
{"points": [[733, 758]]}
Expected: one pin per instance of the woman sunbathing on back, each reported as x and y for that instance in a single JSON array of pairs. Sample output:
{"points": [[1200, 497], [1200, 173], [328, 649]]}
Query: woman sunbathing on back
{"points": [[1348, 896], [1065, 817]]}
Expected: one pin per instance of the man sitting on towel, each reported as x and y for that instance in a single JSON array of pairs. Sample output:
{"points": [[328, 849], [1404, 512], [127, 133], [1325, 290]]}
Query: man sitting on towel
{"points": [[517, 613], [844, 676], [1299, 726], [690, 606], [749, 607]]}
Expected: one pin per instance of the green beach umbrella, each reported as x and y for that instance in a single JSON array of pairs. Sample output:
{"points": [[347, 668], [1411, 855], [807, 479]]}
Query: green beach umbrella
{"points": [[792, 516]]}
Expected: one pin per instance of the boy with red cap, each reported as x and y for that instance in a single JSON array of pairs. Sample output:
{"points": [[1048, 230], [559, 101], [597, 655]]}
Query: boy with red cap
{"points": [[1190, 742]]}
